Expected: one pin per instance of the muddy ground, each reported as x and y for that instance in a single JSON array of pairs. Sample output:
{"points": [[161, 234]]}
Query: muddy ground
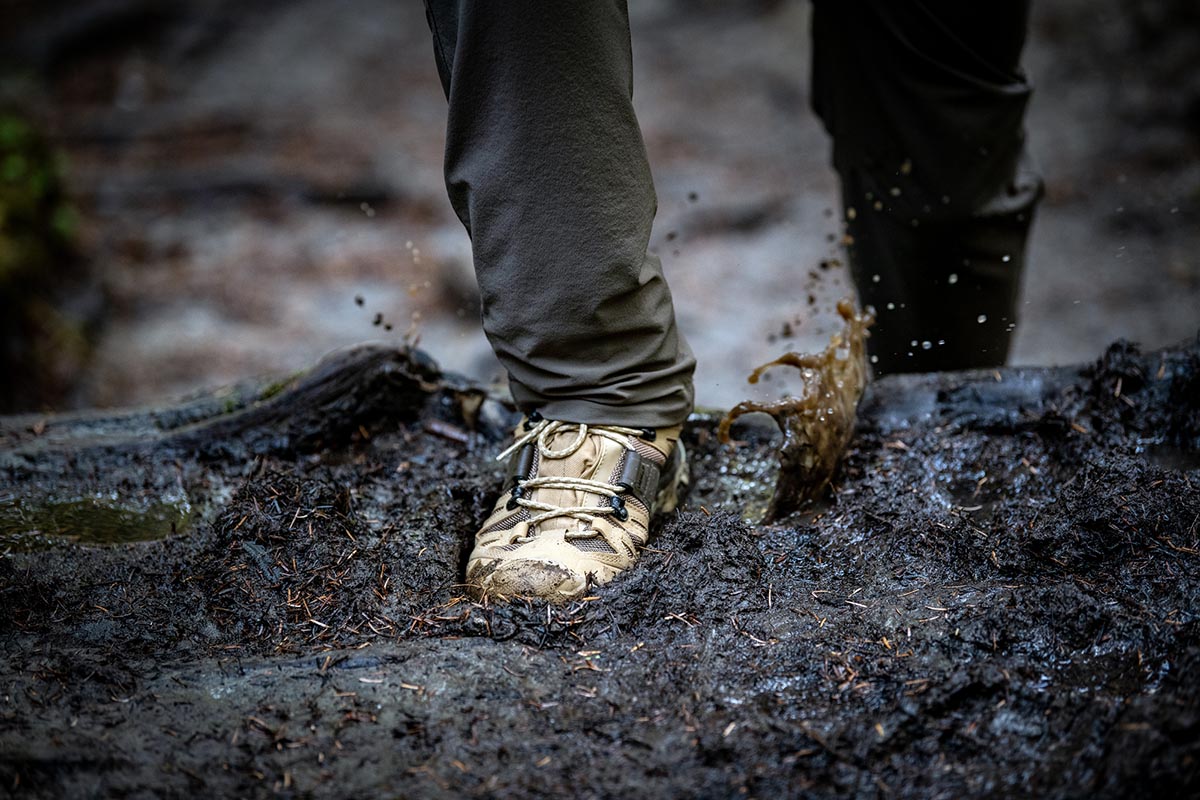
{"points": [[997, 596]]}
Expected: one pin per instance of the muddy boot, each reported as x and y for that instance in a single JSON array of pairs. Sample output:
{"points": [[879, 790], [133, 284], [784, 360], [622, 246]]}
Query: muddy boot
{"points": [[576, 509]]}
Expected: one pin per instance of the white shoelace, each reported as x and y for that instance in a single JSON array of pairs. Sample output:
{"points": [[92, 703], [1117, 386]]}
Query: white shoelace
{"points": [[544, 433]]}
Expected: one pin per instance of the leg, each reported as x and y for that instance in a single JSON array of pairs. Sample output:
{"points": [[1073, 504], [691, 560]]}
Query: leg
{"points": [[925, 101], [546, 168]]}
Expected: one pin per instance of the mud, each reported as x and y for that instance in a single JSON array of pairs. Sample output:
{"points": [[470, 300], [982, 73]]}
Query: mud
{"points": [[997, 595], [816, 423]]}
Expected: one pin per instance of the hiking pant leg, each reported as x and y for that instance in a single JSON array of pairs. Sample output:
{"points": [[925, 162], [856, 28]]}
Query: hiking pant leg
{"points": [[546, 168], [925, 100]]}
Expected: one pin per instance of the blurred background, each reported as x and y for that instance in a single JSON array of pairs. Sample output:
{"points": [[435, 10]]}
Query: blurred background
{"points": [[197, 191]]}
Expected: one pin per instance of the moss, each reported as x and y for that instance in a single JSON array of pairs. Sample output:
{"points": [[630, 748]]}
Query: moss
{"points": [[275, 387], [36, 222], [42, 346]]}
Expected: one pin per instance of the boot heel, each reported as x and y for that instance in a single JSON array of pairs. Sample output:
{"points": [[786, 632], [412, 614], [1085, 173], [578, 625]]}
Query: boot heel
{"points": [[677, 477]]}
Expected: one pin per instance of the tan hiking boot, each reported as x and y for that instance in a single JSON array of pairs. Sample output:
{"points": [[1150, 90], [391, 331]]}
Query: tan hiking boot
{"points": [[576, 509]]}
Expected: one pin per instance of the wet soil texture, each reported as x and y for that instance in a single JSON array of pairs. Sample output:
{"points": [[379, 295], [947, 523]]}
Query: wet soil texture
{"points": [[996, 596]]}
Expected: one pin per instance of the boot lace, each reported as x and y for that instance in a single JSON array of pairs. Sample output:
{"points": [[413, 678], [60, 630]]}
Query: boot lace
{"points": [[543, 433]]}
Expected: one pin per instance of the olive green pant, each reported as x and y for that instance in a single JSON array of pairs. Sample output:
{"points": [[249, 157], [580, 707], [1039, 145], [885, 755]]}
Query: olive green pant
{"points": [[546, 168]]}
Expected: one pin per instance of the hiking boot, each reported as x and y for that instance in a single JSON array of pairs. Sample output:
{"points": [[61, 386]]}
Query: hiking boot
{"points": [[576, 509]]}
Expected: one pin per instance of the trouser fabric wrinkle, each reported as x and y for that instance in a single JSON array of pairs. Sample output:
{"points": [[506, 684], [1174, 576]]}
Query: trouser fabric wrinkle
{"points": [[546, 167], [925, 101]]}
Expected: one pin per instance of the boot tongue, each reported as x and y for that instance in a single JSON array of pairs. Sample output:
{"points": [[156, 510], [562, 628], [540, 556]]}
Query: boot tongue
{"points": [[596, 459]]}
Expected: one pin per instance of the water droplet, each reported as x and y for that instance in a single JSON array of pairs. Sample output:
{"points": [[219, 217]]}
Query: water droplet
{"points": [[1006, 259], [953, 279], [875, 279], [891, 306], [982, 318], [926, 345]]}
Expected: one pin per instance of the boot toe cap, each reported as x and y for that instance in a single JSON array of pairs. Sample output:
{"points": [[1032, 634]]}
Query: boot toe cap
{"points": [[529, 578]]}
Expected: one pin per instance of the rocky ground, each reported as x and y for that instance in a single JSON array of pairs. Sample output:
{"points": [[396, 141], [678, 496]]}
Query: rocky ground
{"points": [[997, 596]]}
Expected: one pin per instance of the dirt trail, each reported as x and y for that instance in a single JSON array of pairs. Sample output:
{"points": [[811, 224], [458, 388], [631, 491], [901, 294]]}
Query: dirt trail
{"points": [[998, 595]]}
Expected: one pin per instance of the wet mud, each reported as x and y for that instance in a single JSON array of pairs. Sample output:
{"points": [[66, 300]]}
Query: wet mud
{"points": [[996, 595], [818, 422]]}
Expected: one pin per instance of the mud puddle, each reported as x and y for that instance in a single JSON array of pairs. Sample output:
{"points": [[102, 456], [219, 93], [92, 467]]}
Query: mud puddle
{"points": [[30, 523], [312, 639]]}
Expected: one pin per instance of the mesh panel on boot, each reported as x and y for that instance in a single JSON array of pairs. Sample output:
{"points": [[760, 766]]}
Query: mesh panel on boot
{"points": [[595, 544], [647, 452], [508, 523]]}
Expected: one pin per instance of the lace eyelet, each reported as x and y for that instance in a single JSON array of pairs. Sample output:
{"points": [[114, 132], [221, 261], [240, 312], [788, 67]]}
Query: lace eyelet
{"points": [[618, 506], [511, 505]]}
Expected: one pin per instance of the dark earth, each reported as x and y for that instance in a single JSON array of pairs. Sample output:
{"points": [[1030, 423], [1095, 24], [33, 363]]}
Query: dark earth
{"points": [[997, 596]]}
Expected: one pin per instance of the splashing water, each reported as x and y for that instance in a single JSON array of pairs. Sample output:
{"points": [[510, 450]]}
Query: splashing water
{"points": [[816, 425]]}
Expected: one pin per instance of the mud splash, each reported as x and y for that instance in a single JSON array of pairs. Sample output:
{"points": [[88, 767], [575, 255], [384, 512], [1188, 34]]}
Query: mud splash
{"points": [[817, 424]]}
